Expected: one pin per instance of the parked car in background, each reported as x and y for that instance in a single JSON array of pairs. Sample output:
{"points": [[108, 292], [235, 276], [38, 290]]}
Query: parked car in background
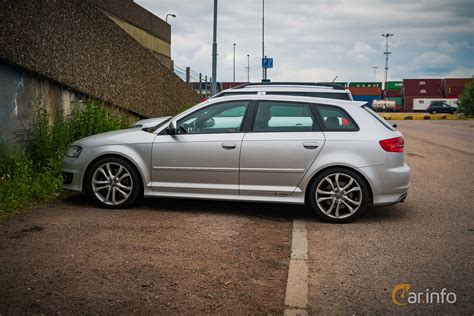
{"points": [[335, 156], [440, 107]]}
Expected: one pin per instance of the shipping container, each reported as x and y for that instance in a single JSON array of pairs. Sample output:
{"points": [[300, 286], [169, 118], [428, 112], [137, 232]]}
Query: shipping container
{"points": [[408, 100], [398, 100], [422, 87], [366, 84], [453, 87], [374, 91], [394, 85], [393, 93], [422, 104], [366, 98]]}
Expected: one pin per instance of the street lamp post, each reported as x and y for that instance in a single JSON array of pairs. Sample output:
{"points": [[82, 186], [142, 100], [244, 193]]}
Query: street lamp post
{"points": [[387, 36], [375, 72], [248, 67], [171, 15], [214, 52], [234, 62], [264, 72]]}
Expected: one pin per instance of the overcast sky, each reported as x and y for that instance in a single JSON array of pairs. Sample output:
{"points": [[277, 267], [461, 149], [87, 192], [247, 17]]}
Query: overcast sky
{"points": [[315, 40]]}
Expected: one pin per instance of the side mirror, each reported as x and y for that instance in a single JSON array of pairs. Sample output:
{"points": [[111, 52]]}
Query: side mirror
{"points": [[172, 130]]}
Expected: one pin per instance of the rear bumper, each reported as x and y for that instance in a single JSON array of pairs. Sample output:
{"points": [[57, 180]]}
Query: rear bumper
{"points": [[389, 185]]}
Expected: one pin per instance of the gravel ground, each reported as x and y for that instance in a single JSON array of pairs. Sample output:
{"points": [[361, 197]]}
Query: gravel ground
{"points": [[166, 256]]}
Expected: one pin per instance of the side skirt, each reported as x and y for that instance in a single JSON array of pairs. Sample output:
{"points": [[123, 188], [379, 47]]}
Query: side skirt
{"points": [[296, 198]]}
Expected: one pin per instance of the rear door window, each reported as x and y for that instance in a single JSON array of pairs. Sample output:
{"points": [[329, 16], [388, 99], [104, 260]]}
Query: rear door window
{"points": [[283, 117]]}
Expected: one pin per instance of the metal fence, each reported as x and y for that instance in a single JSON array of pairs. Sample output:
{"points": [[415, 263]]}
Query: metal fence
{"points": [[199, 82]]}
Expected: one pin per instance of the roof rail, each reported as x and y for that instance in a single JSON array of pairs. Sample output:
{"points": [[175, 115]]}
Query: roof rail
{"points": [[321, 84]]}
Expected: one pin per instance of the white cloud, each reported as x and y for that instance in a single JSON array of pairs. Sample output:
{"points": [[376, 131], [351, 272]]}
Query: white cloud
{"points": [[432, 60], [454, 47], [316, 40], [361, 52]]}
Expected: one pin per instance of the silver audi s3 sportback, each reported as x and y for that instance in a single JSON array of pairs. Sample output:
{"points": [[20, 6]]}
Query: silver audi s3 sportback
{"points": [[335, 156]]}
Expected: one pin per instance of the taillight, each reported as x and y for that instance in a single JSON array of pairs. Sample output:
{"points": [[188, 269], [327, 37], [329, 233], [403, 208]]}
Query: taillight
{"points": [[393, 145]]}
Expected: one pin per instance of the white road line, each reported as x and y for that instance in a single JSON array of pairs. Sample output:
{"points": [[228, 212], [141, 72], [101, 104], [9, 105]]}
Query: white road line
{"points": [[296, 298]]}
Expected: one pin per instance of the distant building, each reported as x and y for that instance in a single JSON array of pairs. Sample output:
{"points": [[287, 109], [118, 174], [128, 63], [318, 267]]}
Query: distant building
{"points": [[56, 52]]}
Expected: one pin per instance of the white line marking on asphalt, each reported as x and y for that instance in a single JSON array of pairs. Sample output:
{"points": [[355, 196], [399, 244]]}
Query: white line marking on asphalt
{"points": [[296, 298]]}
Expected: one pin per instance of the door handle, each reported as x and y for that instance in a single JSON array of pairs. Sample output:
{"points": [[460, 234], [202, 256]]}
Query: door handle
{"points": [[229, 145], [310, 145]]}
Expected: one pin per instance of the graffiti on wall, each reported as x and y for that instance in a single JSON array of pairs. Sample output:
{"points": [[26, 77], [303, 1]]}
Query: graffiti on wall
{"points": [[21, 93], [11, 85]]}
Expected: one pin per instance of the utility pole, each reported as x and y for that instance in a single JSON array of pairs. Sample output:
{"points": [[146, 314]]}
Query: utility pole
{"points": [[214, 52], [375, 72], [248, 67], [387, 36], [200, 86], [264, 71], [234, 62]]}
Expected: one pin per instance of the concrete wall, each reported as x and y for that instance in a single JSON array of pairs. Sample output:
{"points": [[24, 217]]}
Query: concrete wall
{"points": [[161, 48], [22, 92], [74, 43]]}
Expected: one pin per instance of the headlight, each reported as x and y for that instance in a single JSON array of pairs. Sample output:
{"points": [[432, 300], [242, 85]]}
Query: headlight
{"points": [[73, 151]]}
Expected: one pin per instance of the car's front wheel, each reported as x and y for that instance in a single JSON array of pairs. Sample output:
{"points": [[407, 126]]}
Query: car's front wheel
{"points": [[113, 182], [338, 195]]}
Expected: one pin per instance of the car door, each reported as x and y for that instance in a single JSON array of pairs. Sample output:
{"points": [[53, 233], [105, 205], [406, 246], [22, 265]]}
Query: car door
{"points": [[203, 156], [283, 142]]}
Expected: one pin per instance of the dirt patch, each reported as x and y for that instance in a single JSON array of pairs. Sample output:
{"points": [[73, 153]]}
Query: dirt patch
{"points": [[165, 256]]}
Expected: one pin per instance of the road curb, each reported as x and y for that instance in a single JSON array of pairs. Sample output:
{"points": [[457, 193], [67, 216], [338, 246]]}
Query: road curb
{"points": [[296, 297]]}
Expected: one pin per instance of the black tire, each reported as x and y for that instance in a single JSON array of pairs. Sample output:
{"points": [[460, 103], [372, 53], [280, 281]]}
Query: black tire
{"points": [[133, 180], [344, 175], [433, 112]]}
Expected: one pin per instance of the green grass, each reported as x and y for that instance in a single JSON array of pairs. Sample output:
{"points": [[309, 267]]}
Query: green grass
{"points": [[32, 173]]}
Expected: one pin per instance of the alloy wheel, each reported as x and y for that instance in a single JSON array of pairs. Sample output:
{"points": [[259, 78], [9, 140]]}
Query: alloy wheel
{"points": [[338, 195], [112, 183]]}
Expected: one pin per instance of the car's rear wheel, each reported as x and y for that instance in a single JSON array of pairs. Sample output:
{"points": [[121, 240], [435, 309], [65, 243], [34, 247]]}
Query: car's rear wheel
{"points": [[338, 195], [113, 182]]}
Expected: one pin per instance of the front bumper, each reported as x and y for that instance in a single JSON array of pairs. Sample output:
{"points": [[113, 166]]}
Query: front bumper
{"points": [[73, 174]]}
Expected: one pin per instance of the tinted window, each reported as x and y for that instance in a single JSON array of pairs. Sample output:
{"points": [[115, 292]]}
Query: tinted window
{"points": [[220, 118], [335, 119], [283, 117], [327, 95]]}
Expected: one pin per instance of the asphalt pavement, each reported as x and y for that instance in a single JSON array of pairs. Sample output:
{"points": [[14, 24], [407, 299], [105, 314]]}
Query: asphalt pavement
{"points": [[425, 242]]}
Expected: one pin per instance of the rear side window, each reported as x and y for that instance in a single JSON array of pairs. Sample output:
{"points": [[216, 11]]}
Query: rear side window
{"points": [[336, 119], [327, 95], [283, 117], [379, 118]]}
